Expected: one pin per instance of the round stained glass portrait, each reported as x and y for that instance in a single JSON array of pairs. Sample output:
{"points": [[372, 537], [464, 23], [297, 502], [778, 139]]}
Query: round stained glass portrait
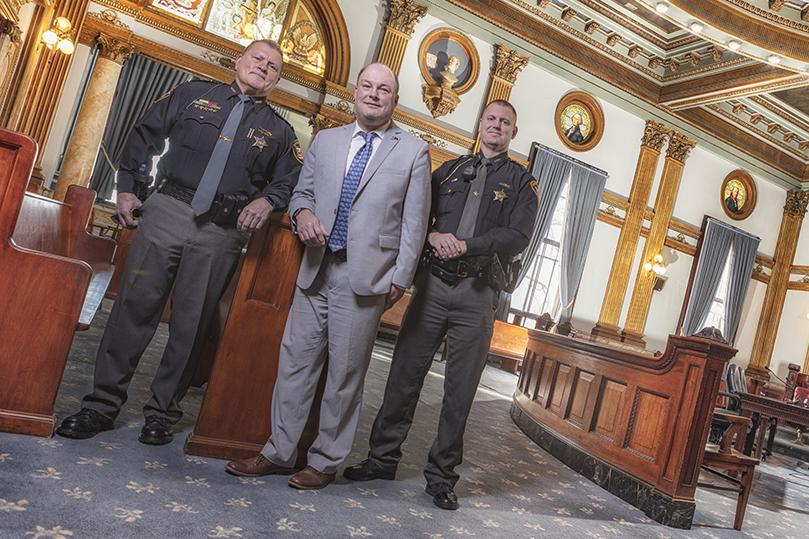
{"points": [[579, 121], [738, 195]]}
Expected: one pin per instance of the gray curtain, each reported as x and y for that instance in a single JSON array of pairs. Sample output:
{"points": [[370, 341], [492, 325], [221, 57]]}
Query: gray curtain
{"points": [[551, 172], [141, 83], [586, 188], [713, 256], [741, 269]]}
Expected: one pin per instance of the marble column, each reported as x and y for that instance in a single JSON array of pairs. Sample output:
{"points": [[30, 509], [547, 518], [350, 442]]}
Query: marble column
{"points": [[402, 19], [654, 136], [676, 153], [783, 258], [86, 139], [507, 65]]}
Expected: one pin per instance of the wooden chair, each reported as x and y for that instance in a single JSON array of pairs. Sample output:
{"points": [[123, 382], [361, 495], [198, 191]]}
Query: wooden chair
{"points": [[733, 467]]}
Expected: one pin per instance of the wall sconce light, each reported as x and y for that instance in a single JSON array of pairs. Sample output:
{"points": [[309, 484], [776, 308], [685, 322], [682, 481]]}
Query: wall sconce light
{"points": [[656, 265], [58, 36]]}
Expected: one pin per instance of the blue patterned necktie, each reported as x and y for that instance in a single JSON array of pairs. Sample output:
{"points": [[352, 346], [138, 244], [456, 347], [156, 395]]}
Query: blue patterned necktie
{"points": [[339, 232], [208, 185]]}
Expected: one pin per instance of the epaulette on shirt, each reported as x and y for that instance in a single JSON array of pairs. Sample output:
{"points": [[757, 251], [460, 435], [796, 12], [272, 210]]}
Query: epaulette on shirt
{"points": [[190, 82]]}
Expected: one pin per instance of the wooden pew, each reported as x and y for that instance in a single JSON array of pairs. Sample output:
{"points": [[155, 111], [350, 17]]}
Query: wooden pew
{"points": [[634, 423], [52, 278]]}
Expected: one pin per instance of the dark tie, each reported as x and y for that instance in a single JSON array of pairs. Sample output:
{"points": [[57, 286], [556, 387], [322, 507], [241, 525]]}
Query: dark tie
{"points": [[469, 217], [339, 232], [208, 185]]}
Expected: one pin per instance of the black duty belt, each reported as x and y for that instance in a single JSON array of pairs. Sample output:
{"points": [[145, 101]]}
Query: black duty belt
{"points": [[183, 194], [452, 271]]}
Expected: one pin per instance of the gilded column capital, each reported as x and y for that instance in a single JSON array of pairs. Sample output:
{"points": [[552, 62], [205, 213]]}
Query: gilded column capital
{"points": [[507, 63], [9, 28], [320, 122], [796, 202], [404, 14], [114, 49], [654, 135], [679, 146]]}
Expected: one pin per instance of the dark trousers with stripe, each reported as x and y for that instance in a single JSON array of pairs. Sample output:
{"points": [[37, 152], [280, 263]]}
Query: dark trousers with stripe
{"points": [[171, 248], [463, 313]]}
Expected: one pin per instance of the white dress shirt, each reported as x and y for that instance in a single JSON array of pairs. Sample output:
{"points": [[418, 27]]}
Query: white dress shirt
{"points": [[357, 142]]}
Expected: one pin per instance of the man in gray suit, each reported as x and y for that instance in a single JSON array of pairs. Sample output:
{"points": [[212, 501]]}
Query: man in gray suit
{"points": [[361, 207]]}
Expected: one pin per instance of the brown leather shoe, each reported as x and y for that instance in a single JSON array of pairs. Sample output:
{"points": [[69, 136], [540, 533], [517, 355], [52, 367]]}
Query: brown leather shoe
{"points": [[256, 466], [310, 479]]}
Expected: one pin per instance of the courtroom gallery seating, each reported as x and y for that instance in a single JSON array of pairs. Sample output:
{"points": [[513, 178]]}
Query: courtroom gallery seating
{"points": [[53, 276]]}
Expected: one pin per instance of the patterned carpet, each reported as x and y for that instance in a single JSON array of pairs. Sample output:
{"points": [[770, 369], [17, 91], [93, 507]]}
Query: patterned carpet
{"points": [[113, 486]]}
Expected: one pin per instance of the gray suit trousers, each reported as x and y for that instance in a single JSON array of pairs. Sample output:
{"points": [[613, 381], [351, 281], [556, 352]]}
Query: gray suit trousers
{"points": [[465, 314], [328, 320], [170, 247]]}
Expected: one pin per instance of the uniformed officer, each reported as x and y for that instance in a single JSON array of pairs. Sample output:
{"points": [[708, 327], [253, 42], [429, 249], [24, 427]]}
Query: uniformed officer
{"points": [[231, 161], [483, 213]]}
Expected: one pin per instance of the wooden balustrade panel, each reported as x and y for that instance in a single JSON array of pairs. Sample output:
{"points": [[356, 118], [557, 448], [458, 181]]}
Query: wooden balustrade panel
{"points": [[633, 422]]}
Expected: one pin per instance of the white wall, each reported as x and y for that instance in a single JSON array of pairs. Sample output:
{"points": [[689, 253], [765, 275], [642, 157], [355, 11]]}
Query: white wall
{"points": [[365, 21], [793, 333]]}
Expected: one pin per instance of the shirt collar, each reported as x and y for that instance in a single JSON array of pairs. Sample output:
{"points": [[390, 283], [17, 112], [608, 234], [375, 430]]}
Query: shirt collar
{"points": [[379, 132], [257, 99]]}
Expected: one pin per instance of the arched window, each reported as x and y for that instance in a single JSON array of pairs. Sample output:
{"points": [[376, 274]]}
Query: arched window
{"points": [[289, 22]]}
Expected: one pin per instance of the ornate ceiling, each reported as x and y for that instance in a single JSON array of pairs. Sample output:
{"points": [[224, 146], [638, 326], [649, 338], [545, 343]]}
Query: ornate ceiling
{"points": [[731, 93]]}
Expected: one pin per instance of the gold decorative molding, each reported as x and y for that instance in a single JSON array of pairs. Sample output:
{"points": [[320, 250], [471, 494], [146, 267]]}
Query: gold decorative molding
{"points": [[776, 5], [783, 258], [402, 18], [796, 203], [9, 28], [507, 63], [654, 135], [114, 49], [320, 122], [440, 99], [404, 15], [679, 146], [109, 16]]}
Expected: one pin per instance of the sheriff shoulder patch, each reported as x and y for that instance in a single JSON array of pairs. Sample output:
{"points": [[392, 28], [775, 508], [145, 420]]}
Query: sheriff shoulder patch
{"points": [[534, 187], [296, 149]]}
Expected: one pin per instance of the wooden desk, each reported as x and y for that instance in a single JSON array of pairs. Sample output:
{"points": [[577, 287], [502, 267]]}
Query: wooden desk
{"points": [[765, 413]]}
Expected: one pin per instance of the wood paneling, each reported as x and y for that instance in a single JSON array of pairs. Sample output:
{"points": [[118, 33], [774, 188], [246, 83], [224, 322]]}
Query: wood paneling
{"points": [[610, 404], [643, 415]]}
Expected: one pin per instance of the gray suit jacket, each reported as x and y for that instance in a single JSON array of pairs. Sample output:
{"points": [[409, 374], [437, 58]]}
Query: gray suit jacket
{"points": [[389, 217]]}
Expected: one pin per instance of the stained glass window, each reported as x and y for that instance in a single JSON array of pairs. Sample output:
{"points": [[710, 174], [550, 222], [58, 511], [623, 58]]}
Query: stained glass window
{"points": [[291, 23], [188, 10], [302, 43], [243, 21]]}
